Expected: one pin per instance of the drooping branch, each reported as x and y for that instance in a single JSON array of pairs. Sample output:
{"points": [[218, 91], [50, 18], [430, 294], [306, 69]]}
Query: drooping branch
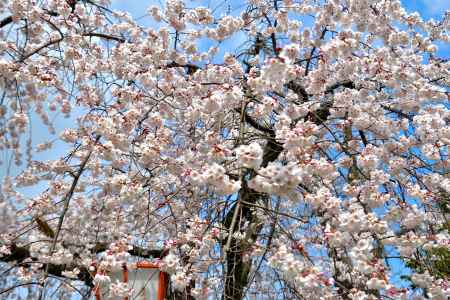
{"points": [[33, 52], [20, 255], [69, 195], [9, 19], [18, 285]]}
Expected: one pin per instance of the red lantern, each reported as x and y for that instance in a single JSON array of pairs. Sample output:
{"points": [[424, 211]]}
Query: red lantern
{"points": [[145, 278]]}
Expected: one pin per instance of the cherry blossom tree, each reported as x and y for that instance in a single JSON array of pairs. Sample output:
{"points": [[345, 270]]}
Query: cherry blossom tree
{"points": [[308, 160]]}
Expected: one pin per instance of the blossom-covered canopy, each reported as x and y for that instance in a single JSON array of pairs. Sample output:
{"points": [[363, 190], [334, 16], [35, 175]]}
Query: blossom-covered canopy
{"points": [[293, 149]]}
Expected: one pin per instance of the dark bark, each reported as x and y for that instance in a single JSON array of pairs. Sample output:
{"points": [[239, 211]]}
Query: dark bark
{"points": [[9, 19], [6, 21], [238, 269]]}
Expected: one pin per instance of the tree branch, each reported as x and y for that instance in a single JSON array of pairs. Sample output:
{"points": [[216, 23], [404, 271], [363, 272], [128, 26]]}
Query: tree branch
{"points": [[299, 90], [252, 122], [105, 36], [6, 21], [20, 254]]}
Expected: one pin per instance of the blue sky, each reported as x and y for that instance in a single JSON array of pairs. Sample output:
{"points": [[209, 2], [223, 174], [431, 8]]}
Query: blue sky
{"points": [[427, 8]]}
